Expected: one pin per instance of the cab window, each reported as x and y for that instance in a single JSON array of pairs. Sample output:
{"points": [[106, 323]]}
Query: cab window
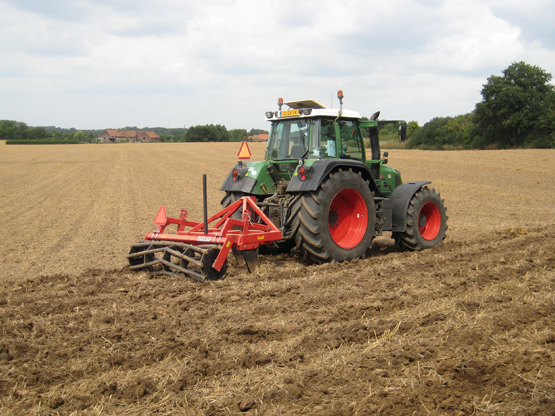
{"points": [[351, 139], [289, 139], [323, 139]]}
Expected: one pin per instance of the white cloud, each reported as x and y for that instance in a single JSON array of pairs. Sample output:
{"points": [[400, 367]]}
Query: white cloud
{"points": [[111, 63]]}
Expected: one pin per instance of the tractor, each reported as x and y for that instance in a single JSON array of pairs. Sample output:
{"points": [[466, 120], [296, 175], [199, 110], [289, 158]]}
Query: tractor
{"points": [[315, 193]]}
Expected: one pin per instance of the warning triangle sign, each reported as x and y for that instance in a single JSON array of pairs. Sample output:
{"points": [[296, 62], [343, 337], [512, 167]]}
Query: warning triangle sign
{"points": [[244, 151]]}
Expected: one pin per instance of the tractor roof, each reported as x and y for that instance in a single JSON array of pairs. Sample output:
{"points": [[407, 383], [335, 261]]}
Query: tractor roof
{"points": [[305, 104], [316, 110]]}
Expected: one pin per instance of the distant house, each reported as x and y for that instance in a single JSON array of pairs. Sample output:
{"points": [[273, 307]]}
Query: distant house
{"points": [[112, 136], [147, 136], [117, 136], [259, 138]]}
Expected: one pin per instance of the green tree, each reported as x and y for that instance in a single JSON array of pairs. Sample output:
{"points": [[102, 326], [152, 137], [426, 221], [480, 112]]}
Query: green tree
{"points": [[387, 133], [255, 132], [209, 133], [13, 130], [81, 136], [444, 133], [517, 108], [412, 126], [223, 134], [238, 135], [38, 133]]}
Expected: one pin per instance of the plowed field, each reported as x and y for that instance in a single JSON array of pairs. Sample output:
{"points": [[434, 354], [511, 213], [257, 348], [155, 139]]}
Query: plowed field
{"points": [[466, 328]]}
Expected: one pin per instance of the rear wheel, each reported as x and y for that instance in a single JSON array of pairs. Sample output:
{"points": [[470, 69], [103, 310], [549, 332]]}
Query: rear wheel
{"points": [[336, 222], [426, 222]]}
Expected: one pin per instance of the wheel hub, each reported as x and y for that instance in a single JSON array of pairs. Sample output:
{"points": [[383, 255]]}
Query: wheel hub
{"points": [[429, 221], [347, 218], [333, 218]]}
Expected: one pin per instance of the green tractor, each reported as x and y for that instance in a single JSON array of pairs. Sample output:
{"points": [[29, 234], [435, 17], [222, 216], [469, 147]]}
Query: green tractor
{"points": [[328, 200], [315, 192]]}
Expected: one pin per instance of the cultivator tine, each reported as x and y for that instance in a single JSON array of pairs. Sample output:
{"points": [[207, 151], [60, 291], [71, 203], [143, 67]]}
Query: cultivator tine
{"points": [[251, 258]]}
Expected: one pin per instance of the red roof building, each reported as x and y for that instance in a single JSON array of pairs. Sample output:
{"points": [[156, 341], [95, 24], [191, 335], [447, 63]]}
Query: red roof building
{"points": [[259, 138]]}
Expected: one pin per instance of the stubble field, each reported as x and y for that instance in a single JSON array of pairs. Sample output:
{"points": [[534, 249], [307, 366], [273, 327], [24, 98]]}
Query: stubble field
{"points": [[466, 328]]}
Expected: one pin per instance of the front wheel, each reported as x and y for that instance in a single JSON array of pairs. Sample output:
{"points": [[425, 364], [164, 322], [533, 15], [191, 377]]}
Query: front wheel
{"points": [[336, 222], [426, 221]]}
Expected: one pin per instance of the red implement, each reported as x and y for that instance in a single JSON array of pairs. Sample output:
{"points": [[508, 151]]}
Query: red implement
{"points": [[201, 253]]}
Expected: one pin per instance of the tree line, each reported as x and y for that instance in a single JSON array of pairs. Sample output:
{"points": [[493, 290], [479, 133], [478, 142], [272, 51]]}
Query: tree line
{"points": [[19, 132], [207, 133]]}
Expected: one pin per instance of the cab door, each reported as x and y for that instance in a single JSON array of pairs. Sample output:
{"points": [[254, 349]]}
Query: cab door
{"points": [[350, 143]]}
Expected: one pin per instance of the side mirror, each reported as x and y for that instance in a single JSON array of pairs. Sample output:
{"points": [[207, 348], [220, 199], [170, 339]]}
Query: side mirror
{"points": [[385, 155], [403, 132]]}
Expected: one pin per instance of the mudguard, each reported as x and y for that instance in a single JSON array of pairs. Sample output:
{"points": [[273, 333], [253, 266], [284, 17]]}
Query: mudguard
{"points": [[321, 168], [400, 199], [245, 185]]}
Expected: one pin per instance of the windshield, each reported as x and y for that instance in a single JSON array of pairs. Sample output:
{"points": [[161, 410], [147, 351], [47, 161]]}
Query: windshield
{"points": [[289, 139], [315, 138], [302, 138]]}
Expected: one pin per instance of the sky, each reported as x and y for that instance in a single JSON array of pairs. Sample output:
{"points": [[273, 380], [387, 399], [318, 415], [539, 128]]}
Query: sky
{"points": [[96, 64]]}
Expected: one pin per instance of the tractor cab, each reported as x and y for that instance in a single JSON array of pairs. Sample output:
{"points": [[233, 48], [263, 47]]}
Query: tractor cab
{"points": [[309, 141], [309, 130]]}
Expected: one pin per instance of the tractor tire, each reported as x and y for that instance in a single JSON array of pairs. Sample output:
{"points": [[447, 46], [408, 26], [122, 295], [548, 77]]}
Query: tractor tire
{"points": [[426, 221], [336, 222]]}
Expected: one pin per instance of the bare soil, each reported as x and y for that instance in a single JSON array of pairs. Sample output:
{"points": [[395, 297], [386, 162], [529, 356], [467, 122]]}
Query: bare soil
{"points": [[466, 328]]}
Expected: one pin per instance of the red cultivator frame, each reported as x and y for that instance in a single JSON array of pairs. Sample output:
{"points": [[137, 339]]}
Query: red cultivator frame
{"points": [[199, 251]]}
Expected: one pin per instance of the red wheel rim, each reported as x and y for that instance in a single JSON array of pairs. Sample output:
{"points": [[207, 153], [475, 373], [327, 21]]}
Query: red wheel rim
{"points": [[348, 218], [429, 221]]}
